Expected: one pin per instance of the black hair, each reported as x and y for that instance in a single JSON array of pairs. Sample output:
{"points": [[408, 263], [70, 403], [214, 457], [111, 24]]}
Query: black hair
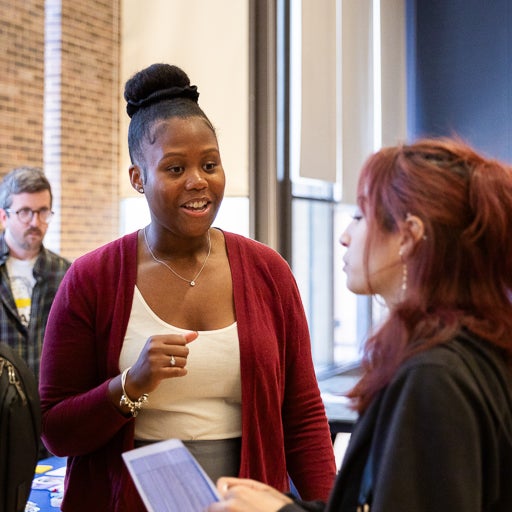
{"points": [[158, 92]]}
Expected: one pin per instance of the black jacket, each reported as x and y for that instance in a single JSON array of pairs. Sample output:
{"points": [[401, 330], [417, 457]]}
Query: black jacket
{"points": [[440, 435]]}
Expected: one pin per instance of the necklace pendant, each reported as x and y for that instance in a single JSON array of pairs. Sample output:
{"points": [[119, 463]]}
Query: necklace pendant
{"points": [[191, 283]]}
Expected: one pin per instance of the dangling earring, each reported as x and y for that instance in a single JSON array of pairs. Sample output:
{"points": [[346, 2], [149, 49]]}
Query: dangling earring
{"points": [[404, 275]]}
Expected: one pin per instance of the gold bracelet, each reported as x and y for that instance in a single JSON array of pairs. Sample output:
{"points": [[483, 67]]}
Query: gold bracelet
{"points": [[136, 406]]}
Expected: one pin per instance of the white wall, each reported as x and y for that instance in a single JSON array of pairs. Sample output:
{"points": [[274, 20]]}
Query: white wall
{"points": [[209, 40]]}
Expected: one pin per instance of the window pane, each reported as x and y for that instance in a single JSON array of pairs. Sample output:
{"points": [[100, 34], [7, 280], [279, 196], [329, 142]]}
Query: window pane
{"points": [[312, 265], [334, 314], [351, 313]]}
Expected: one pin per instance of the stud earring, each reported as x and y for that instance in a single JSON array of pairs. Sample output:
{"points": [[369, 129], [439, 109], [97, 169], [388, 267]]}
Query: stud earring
{"points": [[141, 190]]}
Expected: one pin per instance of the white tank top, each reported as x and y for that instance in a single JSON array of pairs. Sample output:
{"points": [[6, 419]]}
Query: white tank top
{"points": [[205, 404]]}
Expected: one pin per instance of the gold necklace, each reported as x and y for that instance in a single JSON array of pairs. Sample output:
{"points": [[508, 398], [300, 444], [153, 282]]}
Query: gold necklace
{"points": [[191, 283]]}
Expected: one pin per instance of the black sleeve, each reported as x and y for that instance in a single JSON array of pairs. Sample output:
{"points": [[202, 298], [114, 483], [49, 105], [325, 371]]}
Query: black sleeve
{"points": [[304, 506], [430, 444]]}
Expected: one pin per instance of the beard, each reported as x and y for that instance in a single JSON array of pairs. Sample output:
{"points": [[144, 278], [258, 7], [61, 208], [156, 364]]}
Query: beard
{"points": [[32, 239]]}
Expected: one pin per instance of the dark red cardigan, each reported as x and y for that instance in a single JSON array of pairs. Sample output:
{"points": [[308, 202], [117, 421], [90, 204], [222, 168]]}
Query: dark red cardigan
{"points": [[284, 428]]}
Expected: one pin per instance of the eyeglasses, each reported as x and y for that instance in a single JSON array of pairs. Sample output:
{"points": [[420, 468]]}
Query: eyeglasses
{"points": [[26, 215]]}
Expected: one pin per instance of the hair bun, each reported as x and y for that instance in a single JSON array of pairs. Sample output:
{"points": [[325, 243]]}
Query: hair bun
{"points": [[158, 82], [187, 91]]}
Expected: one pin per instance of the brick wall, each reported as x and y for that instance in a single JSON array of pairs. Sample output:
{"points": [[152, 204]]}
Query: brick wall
{"points": [[71, 128], [21, 83]]}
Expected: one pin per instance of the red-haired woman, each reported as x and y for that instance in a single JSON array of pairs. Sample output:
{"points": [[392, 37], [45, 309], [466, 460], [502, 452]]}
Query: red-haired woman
{"points": [[432, 238]]}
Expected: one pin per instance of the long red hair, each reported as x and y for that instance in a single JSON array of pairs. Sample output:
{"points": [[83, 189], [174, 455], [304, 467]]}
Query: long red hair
{"points": [[460, 272]]}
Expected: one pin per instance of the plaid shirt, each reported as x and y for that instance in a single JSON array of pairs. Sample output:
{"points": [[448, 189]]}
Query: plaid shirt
{"points": [[49, 269]]}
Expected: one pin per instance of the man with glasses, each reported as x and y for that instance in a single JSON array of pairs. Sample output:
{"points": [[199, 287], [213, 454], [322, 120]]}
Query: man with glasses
{"points": [[29, 273]]}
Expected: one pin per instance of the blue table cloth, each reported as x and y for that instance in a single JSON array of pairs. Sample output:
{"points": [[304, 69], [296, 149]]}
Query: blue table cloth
{"points": [[41, 498]]}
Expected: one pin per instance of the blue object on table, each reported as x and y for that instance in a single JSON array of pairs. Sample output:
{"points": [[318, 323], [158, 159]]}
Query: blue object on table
{"points": [[42, 497]]}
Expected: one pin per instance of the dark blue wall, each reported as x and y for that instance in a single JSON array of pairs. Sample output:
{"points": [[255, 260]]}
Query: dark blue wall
{"points": [[459, 58]]}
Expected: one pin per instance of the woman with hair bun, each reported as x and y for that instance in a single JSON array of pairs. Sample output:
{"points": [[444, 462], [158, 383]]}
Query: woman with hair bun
{"points": [[431, 237], [180, 330]]}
